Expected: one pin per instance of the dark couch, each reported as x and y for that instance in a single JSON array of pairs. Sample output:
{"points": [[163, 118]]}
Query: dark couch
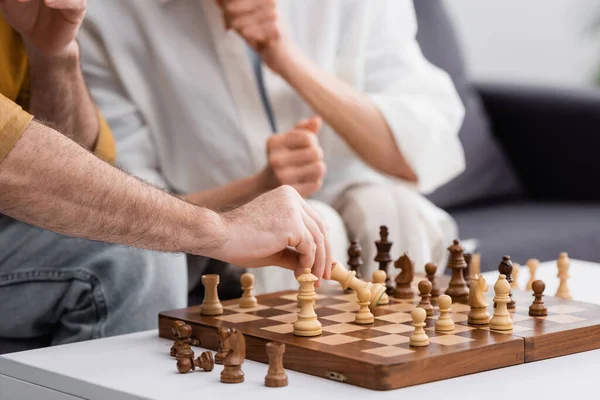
{"points": [[531, 187]]}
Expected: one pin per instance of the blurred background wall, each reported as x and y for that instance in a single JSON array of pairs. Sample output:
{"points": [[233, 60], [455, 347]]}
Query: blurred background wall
{"points": [[551, 39]]}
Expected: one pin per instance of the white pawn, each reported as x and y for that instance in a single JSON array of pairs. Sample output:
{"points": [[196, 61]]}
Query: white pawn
{"points": [[379, 276], [444, 322], [501, 320], [419, 338], [364, 315], [248, 300]]}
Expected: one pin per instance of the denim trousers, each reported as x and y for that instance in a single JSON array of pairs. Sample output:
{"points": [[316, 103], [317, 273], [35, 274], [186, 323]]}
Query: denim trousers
{"points": [[70, 289]]}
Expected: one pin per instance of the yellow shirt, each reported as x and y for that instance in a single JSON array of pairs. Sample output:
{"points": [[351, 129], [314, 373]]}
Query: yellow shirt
{"points": [[14, 97]]}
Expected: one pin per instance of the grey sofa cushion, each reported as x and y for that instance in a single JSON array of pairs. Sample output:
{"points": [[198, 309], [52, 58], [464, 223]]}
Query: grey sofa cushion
{"points": [[488, 174], [532, 230]]}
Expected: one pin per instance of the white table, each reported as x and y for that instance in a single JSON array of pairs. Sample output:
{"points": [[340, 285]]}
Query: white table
{"points": [[138, 366]]}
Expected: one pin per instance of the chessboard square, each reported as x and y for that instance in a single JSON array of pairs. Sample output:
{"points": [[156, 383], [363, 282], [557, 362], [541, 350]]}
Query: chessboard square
{"points": [[564, 318], [345, 307], [404, 307], [238, 309], [390, 340], [450, 340], [518, 317], [457, 329], [459, 308], [563, 309], [388, 351], [285, 318], [395, 328], [347, 297], [283, 328], [239, 318], [343, 328], [397, 318], [334, 340], [342, 317]]}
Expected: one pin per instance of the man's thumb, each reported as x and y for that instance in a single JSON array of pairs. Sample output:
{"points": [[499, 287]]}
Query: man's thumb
{"points": [[312, 124]]}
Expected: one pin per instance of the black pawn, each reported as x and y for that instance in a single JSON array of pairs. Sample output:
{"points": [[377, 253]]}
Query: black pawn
{"points": [[538, 309]]}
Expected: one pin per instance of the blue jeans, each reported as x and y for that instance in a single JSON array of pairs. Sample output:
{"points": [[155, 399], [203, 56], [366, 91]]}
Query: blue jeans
{"points": [[73, 289]]}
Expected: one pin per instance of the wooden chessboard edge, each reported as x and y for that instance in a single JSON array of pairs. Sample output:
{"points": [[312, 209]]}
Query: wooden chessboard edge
{"points": [[562, 343]]}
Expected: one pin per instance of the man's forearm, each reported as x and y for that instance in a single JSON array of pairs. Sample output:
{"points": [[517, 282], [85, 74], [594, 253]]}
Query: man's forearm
{"points": [[49, 181], [60, 97], [350, 113]]}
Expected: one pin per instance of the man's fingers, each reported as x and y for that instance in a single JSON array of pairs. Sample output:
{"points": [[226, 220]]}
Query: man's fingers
{"points": [[325, 234], [312, 124], [294, 139], [318, 239], [66, 4], [302, 174], [306, 247], [297, 157], [287, 258]]}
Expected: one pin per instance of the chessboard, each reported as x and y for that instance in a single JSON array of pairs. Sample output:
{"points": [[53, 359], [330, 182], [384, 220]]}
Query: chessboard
{"points": [[378, 356]]}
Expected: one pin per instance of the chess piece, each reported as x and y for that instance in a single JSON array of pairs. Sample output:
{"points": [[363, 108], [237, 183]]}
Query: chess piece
{"points": [[563, 264], [276, 376], [467, 274], [478, 314], [211, 305], [248, 300], [419, 338], [505, 268], [205, 361], [176, 345], [538, 309], [383, 257], [364, 315], [430, 270], [404, 279], [457, 290], [354, 260], [425, 293], [444, 322], [532, 265], [348, 280], [234, 345], [501, 320], [475, 264], [515, 274], [379, 278], [307, 323], [185, 354]]}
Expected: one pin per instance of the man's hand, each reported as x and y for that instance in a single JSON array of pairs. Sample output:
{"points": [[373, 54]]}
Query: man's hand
{"points": [[296, 158], [278, 228], [50, 26]]}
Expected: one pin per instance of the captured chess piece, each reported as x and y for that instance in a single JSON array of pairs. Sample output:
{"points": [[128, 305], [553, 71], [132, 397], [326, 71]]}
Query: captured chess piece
{"points": [[248, 300], [478, 314], [501, 320], [354, 260], [419, 337], [538, 309], [405, 277], [383, 257], [515, 276], [563, 264], [348, 280], [457, 290], [364, 315], [185, 354], [276, 376], [307, 323], [379, 277], [425, 293], [532, 265], [444, 322], [177, 343], [467, 273], [234, 345], [206, 361], [505, 268], [211, 305], [430, 270]]}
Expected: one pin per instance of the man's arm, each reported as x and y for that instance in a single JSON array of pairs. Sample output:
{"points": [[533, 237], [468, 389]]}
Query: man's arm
{"points": [[49, 181]]}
